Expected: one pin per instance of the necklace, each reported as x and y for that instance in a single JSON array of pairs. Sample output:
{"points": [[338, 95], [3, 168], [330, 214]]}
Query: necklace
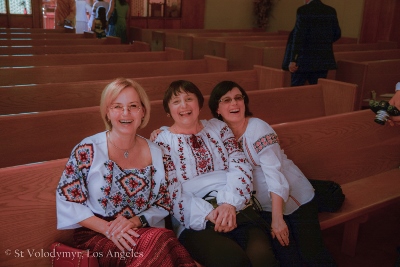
{"points": [[126, 151]]}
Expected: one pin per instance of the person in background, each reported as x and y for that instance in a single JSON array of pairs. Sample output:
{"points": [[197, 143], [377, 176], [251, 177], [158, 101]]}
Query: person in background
{"points": [[285, 194], [123, 12], [99, 25], [82, 9], [114, 190], [64, 14], [395, 101], [98, 3], [203, 157], [309, 47]]}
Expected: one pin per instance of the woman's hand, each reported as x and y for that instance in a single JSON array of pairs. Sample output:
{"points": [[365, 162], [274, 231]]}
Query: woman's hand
{"points": [[154, 134], [280, 231], [225, 218], [120, 231]]}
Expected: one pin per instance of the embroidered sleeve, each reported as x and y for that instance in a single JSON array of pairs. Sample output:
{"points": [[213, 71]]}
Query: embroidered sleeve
{"points": [[270, 155], [73, 184], [239, 186], [71, 192]]}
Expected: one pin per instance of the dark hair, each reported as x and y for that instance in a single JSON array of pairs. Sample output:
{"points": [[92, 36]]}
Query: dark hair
{"points": [[101, 15], [220, 90], [177, 87], [123, 2]]}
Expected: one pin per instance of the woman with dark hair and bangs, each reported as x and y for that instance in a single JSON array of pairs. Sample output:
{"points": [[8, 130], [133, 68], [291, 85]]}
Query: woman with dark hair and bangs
{"points": [[285, 194], [204, 161]]}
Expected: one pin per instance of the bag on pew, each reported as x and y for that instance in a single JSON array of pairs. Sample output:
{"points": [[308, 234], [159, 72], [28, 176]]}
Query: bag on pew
{"points": [[328, 195], [66, 256]]}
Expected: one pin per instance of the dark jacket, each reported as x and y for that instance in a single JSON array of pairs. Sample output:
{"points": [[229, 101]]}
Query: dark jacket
{"points": [[310, 42]]}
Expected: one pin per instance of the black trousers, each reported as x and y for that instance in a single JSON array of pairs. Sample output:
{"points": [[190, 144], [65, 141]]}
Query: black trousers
{"points": [[300, 78], [247, 245], [306, 245]]}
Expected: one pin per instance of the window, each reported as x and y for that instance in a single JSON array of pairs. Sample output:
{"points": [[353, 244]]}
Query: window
{"points": [[156, 8], [16, 7]]}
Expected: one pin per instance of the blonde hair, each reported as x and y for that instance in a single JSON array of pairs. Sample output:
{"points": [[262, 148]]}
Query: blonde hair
{"points": [[113, 89]]}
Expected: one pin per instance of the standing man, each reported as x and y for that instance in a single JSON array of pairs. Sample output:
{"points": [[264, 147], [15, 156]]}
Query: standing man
{"points": [[65, 14], [309, 48]]}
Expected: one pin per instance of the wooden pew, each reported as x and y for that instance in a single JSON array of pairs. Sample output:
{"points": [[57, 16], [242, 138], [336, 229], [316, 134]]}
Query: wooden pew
{"points": [[55, 96], [60, 42], [326, 98], [49, 135], [354, 151], [146, 35], [243, 52], [331, 147], [29, 213], [76, 49], [93, 72], [368, 55], [51, 35], [45, 97], [273, 56], [196, 46], [91, 58], [234, 50], [380, 76], [33, 30], [166, 37]]}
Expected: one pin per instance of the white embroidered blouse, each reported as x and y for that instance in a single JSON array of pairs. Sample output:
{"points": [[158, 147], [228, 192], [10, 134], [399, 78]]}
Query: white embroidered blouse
{"points": [[92, 184], [272, 170], [209, 160]]}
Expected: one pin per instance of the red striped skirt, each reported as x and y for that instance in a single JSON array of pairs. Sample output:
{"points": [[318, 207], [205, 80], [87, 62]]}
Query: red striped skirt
{"points": [[155, 247]]}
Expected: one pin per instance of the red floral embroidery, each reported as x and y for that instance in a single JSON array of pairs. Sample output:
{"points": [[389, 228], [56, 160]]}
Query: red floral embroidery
{"points": [[73, 192], [84, 155], [265, 141]]}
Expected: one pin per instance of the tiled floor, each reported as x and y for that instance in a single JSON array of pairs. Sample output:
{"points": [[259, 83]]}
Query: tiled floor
{"points": [[377, 244]]}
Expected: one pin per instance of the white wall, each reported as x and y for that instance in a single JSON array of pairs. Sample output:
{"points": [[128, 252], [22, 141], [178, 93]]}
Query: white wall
{"points": [[229, 14], [238, 14]]}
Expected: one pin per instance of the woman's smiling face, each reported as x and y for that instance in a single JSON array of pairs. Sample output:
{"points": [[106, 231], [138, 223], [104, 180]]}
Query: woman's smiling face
{"points": [[126, 111], [184, 108], [231, 106]]}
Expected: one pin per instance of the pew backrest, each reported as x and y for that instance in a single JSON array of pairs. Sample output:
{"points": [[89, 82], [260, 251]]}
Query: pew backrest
{"points": [[342, 148], [76, 49], [91, 58], [60, 42], [52, 134], [92, 72], [46, 97], [380, 76]]}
